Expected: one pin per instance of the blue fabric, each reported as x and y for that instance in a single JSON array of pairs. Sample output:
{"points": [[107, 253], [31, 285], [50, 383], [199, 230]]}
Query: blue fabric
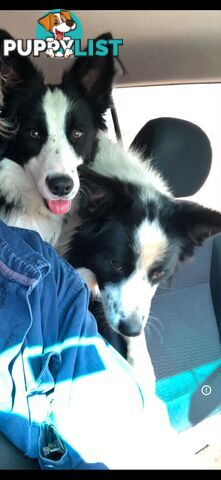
{"points": [[178, 391], [54, 366]]}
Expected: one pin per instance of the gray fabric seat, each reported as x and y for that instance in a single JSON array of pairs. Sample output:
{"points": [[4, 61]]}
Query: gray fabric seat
{"points": [[183, 337], [11, 458], [189, 329]]}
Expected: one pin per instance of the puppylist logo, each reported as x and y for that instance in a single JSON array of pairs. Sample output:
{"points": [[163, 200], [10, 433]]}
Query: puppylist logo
{"points": [[59, 29], [59, 35]]}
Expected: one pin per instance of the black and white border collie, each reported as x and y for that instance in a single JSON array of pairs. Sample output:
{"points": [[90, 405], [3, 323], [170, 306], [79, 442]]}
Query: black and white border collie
{"points": [[55, 130], [129, 233]]}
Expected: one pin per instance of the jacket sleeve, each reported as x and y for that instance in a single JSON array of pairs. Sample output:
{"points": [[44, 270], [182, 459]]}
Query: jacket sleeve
{"points": [[72, 298]]}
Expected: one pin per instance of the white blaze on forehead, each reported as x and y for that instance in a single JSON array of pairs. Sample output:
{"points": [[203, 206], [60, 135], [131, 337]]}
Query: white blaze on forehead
{"points": [[56, 106], [150, 244], [57, 156]]}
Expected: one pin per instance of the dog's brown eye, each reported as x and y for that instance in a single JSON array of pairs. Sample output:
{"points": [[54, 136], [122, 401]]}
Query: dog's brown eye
{"points": [[76, 134], [117, 266], [157, 275], [34, 134]]}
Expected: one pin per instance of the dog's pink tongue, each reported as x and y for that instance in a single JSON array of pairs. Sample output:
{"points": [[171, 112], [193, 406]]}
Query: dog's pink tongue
{"points": [[59, 207], [59, 35]]}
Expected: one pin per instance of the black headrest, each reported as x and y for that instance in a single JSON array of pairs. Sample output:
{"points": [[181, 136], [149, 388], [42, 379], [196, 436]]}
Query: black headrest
{"points": [[180, 150]]}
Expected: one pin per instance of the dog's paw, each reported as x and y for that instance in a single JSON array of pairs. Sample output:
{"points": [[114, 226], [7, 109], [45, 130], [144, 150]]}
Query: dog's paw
{"points": [[50, 53], [68, 53], [88, 276]]}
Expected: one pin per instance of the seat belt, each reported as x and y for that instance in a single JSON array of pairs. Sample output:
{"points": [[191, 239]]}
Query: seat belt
{"points": [[115, 120]]}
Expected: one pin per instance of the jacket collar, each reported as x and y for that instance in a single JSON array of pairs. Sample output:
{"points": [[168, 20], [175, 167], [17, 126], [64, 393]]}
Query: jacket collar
{"points": [[19, 261]]}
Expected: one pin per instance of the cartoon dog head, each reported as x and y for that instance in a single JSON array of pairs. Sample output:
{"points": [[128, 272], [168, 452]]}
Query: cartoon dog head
{"points": [[58, 23]]}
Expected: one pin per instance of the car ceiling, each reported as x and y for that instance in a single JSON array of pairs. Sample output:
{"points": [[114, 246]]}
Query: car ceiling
{"points": [[160, 46]]}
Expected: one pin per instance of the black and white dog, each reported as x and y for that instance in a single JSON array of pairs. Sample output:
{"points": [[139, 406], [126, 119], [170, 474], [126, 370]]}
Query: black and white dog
{"points": [[55, 130], [129, 233]]}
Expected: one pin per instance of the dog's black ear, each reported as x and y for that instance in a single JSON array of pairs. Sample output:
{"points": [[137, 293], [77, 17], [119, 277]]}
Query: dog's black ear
{"points": [[101, 196], [194, 224], [93, 76], [16, 71]]}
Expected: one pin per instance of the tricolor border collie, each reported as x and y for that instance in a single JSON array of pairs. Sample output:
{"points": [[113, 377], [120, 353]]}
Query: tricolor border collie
{"points": [[129, 233], [55, 130]]}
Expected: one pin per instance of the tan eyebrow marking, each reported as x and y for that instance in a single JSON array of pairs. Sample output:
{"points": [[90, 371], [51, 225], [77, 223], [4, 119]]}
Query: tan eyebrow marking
{"points": [[150, 243], [150, 253]]}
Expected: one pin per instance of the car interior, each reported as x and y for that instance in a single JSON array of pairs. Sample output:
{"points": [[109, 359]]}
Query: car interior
{"points": [[165, 48]]}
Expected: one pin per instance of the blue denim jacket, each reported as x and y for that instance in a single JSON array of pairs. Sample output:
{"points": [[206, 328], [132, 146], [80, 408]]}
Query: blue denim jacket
{"points": [[56, 371]]}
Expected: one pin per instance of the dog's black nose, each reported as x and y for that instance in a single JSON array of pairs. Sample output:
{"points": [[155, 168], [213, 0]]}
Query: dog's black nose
{"points": [[69, 23], [60, 185], [131, 327]]}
